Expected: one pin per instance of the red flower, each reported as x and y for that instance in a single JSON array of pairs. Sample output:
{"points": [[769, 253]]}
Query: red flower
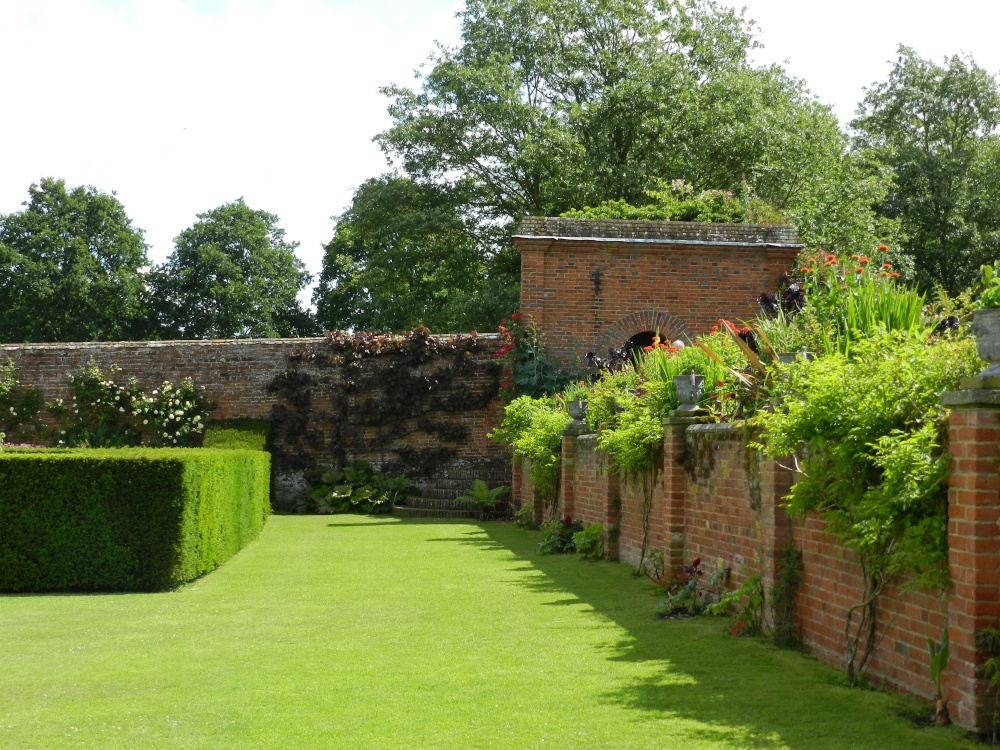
{"points": [[516, 316]]}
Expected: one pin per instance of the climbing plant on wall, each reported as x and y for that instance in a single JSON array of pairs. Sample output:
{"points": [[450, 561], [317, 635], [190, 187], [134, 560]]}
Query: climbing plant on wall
{"points": [[389, 398]]}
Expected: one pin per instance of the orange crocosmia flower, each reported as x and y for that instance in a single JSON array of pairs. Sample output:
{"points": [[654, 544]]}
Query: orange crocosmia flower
{"points": [[831, 257], [884, 273], [882, 248], [855, 257], [859, 269], [894, 275], [887, 265], [863, 259], [807, 269], [843, 286]]}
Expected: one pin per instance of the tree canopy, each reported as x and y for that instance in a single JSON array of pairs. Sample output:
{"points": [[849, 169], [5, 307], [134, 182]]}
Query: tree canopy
{"points": [[406, 253], [231, 275], [934, 128], [551, 105], [70, 267]]}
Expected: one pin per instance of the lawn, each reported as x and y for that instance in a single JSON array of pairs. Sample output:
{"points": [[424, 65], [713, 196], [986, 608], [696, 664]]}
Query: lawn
{"points": [[354, 632]]}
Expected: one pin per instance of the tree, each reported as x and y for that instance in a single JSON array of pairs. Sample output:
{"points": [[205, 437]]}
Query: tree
{"points": [[933, 126], [552, 105], [70, 267], [231, 275], [407, 254]]}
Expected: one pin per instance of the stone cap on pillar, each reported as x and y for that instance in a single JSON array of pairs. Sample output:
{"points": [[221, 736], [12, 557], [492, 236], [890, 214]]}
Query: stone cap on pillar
{"points": [[687, 417], [978, 390]]}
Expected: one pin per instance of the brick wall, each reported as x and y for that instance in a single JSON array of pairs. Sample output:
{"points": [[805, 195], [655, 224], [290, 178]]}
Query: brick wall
{"points": [[591, 285], [711, 502], [237, 373]]}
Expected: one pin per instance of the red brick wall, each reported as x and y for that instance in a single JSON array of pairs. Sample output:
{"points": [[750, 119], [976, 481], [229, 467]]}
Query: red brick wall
{"points": [[236, 375], [645, 284], [726, 523], [720, 526]]}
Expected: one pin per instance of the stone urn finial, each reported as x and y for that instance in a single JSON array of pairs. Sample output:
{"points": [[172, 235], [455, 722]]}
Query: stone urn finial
{"points": [[688, 389]]}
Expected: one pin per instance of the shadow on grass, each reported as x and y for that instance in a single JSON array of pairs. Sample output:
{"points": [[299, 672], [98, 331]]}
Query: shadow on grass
{"points": [[741, 692]]}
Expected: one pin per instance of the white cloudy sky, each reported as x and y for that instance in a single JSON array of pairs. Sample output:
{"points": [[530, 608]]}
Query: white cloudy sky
{"points": [[183, 105]]}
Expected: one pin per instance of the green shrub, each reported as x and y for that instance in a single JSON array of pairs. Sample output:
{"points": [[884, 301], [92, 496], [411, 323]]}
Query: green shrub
{"points": [[355, 488], [125, 520], [590, 542], [248, 434]]}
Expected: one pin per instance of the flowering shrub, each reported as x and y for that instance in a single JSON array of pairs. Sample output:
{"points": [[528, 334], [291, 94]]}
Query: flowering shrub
{"points": [[845, 299], [527, 370], [19, 404], [105, 411]]}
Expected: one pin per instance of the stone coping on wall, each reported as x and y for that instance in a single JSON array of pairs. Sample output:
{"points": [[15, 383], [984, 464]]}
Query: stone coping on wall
{"points": [[716, 428], [658, 232], [214, 343]]}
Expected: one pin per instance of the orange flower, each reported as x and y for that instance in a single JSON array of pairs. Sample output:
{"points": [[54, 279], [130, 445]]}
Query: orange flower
{"points": [[831, 257], [894, 275], [859, 269], [843, 286], [807, 269], [887, 265], [882, 249], [863, 259], [855, 257], [884, 273]]}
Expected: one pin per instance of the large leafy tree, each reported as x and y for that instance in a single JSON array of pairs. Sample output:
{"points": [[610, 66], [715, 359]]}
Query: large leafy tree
{"points": [[934, 127], [70, 267], [551, 105], [231, 275], [408, 253]]}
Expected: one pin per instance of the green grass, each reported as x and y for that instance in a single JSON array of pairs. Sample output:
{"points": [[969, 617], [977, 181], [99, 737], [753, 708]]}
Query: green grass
{"points": [[354, 632]]}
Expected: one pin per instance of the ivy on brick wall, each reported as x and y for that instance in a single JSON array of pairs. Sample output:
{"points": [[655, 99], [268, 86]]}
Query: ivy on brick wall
{"points": [[390, 398]]}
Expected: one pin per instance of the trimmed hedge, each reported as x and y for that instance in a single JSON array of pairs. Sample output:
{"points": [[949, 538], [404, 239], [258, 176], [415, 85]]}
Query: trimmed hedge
{"points": [[132, 519], [251, 434]]}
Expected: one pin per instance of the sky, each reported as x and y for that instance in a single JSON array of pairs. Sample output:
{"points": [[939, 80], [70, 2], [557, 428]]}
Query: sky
{"points": [[180, 106]]}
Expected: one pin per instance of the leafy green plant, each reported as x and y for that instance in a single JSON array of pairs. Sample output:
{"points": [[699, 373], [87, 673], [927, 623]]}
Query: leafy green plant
{"points": [[524, 517], [356, 488], [528, 371], [533, 428], [557, 536], [679, 201], [748, 600], [682, 593], [990, 280], [869, 429], [938, 662], [988, 642], [589, 543], [783, 593], [482, 495]]}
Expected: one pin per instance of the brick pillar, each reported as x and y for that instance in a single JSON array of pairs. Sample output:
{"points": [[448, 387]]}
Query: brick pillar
{"points": [[567, 471], [973, 543], [674, 450], [517, 498], [775, 525], [567, 466]]}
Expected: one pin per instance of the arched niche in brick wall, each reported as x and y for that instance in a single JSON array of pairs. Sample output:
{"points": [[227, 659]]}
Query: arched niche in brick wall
{"points": [[669, 327]]}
